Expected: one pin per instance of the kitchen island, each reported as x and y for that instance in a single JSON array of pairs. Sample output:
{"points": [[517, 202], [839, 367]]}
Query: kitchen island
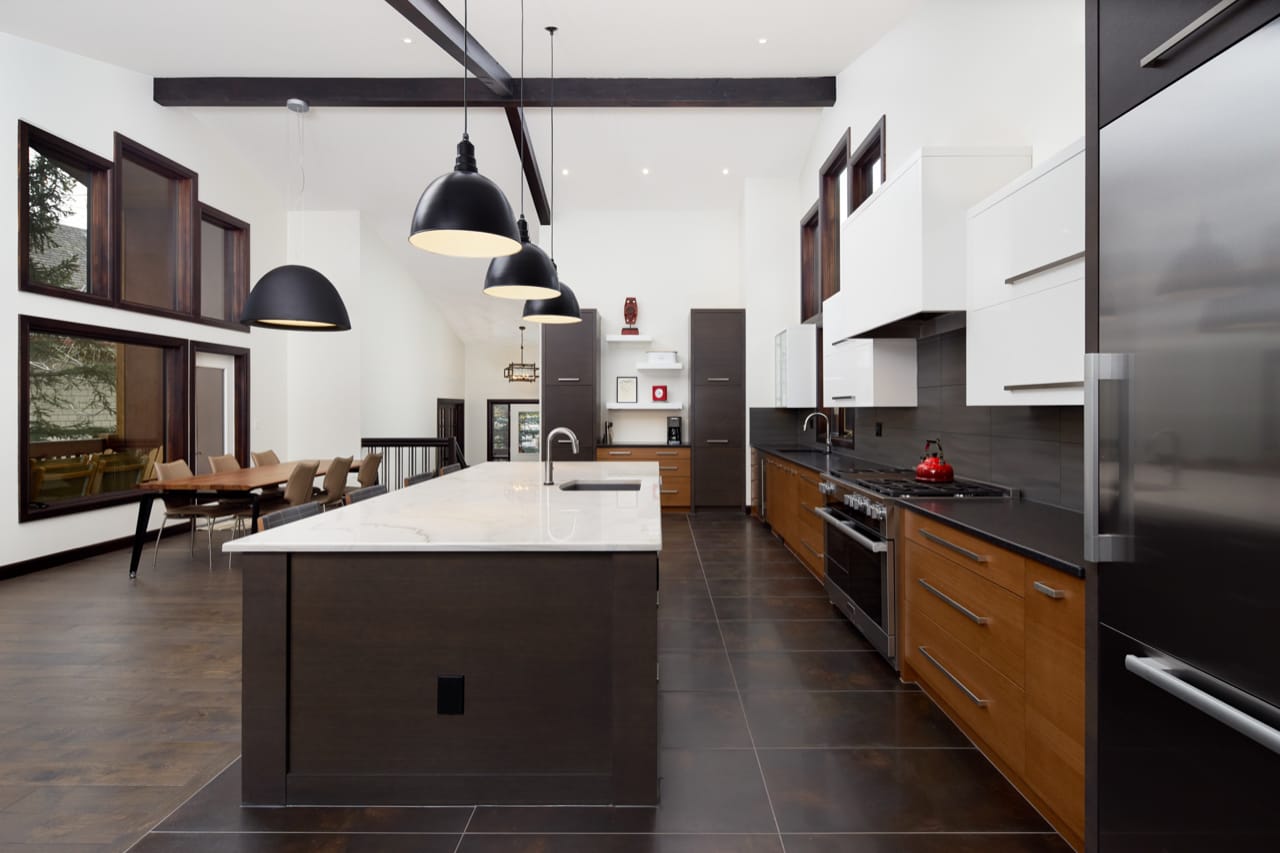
{"points": [[478, 638]]}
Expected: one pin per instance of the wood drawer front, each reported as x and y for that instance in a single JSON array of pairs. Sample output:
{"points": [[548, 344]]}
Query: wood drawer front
{"points": [[1055, 690], [997, 638], [999, 723], [676, 490], [809, 547], [996, 564]]}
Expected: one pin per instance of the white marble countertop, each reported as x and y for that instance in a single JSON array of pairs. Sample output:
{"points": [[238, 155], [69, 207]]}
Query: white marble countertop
{"points": [[496, 506]]}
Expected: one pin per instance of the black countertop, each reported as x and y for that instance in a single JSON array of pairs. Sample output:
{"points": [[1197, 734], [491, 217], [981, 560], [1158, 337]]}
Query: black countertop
{"points": [[1046, 534]]}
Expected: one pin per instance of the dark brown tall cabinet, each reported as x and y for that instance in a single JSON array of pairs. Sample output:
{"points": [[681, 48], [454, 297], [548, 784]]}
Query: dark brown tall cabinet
{"points": [[571, 386], [718, 413]]}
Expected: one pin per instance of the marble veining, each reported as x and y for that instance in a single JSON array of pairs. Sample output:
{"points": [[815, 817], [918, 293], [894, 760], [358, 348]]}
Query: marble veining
{"points": [[495, 506]]}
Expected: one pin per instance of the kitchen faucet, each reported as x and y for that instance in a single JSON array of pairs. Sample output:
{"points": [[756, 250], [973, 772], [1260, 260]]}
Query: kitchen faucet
{"points": [[826, 419], [573, 439]]}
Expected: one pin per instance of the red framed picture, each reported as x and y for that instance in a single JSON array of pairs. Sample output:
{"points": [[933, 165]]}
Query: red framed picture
{"points": [[659, 393]]}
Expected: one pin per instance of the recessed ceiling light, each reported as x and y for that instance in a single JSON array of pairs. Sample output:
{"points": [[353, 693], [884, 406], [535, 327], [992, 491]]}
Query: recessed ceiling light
{"points": [[564, 171], [644, 171], [724, 171], [408, 40], [763, 41]]}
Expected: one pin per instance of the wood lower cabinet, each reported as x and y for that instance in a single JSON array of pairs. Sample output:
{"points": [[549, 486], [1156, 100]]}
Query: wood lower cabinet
{"points": [[675, 469], [997, 640], [791, 493]]}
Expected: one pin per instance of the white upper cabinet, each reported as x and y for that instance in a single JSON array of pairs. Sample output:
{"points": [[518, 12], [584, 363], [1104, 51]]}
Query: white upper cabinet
{"points": [[903, 251], [795, 367], [1025, 289], [864, 372]]}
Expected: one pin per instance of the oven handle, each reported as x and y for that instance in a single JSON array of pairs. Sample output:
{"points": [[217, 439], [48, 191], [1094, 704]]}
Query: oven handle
{"points": [[870, 544]]}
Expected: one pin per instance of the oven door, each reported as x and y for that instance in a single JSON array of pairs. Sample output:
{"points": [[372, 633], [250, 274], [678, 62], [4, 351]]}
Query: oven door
{"points": [[860, 578]]}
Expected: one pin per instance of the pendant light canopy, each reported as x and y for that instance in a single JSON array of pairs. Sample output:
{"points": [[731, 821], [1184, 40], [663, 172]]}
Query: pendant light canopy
{"points": [[562, 309], [529, 273], [293, 296], [463, 213]]}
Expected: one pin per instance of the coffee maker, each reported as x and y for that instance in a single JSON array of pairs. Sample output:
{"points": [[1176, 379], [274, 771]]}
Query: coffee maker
{"points": [[674, 430]]}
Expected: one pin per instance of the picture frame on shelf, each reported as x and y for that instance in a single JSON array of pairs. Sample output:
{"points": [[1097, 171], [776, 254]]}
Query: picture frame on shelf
{"points": [[660, 394], [628, 389]]}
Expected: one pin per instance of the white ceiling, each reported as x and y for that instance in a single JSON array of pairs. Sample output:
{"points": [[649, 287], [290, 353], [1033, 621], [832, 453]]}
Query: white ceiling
{"points": [[379, 160]]}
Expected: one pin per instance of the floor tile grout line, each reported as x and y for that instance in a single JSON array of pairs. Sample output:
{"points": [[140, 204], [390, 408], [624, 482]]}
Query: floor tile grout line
{"points": [[742, 706], [467, 826], [185, 800]]}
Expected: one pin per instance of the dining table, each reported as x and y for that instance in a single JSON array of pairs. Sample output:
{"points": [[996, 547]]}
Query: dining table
{"points": [[240, 484]]}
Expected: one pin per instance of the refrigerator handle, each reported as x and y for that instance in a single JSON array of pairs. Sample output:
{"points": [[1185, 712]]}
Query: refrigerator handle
{"points": [[1100, 547]]}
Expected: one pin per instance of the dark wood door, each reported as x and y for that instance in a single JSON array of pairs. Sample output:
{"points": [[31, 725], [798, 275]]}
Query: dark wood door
{"points": [[719, 416], [451, 423], [1133, 30], [719, 476], [717, 343], [570, 352], [575, 407]]}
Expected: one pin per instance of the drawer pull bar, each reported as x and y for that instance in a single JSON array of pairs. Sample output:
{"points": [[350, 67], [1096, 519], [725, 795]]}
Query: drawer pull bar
{"points": [[669, 491], [973, 697], [668, 467], [977, 558], [619, 452], [1163, 674], [1014, 279], [717, 441], [668, 453], [980, 620], [1185, 33], [1040, 386], [568, 379], [843, 397], [1045, 589], [809, 548], [717, 378]]}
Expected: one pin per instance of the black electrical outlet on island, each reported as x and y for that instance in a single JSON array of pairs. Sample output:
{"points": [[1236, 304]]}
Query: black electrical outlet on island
{"points": [[449, 694], [879, 428]]}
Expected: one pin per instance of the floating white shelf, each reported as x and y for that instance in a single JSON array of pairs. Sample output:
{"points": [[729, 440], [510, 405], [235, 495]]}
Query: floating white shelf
{"points": [[645, 407], [629, 339], [653, 365]]}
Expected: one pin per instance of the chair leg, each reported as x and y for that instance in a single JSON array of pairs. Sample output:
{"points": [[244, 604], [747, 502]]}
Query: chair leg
{"points": [[191, 548], [209, 528], [155, 552]]}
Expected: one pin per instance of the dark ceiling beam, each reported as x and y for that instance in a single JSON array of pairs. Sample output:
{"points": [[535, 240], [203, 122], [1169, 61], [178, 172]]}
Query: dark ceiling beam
{"points": [[437, 24], [533, 177], [447, 92]]}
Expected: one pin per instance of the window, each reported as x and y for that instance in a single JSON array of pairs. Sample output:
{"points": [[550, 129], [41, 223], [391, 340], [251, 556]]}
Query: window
{"points": [[867, 167], [155, 201], [514, 430], [223, 282], [97, 409], [831, 177], [62, 223], [810, 285]]}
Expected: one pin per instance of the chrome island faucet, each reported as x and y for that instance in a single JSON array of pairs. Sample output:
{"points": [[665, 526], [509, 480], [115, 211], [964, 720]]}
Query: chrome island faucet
{"points": [[824, 417], [573, 439]]}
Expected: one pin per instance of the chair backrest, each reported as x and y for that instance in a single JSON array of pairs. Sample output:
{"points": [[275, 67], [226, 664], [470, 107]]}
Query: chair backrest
{"points": [[418, 478], [116, 472], [224, 463], [176, 470], [365, 493], [369, 465], [335, 478], [284, 516], [449, 469], [298, 489], [265, 457], [60, 482]]}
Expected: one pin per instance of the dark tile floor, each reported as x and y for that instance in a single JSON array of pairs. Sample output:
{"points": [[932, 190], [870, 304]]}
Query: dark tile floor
{"points": [[781, 730]]}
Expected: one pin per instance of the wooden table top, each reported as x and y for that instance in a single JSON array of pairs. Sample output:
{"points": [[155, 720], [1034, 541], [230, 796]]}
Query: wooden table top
{"points": [[242, 480]]}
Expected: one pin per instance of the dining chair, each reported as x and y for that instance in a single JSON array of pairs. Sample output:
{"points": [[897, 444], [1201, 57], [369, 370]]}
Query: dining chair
{"points": [[182, 505], [232, 506], [288, 514], [368, 473], [56, 481], [335, 482], [357, 495], [265, 457], [297, 492], [221, 464], [449, 469], [419, 478], [116, 472]]}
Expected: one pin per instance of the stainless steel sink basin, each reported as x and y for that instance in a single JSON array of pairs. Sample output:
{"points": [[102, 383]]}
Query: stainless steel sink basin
{"points": [[600, 486]]}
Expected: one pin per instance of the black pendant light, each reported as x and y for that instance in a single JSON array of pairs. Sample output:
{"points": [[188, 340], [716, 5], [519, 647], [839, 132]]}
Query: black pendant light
{"points": [[463, 213], [562, 308], [293, 296], [529, 273]]}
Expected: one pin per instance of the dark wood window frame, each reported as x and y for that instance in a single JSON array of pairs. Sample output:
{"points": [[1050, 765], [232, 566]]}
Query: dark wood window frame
{"points": [[237, 263], [99, 274], [241, 379], [177, 361], [861, 162], [810, 284], [830, 217]]}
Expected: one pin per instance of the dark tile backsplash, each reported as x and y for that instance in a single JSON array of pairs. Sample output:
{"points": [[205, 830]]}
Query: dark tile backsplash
{"points": [[1035, 449]]}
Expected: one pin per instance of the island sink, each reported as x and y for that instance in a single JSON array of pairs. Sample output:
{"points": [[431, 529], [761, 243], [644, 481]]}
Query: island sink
{"points": [[600, 486]]}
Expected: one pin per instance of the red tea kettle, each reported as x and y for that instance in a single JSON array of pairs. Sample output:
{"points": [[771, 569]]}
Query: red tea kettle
{"points": [[933, 468]]}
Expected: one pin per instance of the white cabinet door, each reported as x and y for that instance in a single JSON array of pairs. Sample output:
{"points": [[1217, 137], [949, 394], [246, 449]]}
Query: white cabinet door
{"points": [[881, 253], [795, 367], [837, 373], [863, 372]]}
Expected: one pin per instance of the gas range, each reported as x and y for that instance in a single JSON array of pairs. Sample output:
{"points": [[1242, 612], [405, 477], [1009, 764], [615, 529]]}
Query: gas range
{"points": [[906, 487]]}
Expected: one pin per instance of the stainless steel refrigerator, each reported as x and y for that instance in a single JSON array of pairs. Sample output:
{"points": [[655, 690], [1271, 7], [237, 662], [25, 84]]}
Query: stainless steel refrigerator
{"points": [[1183, 463]]}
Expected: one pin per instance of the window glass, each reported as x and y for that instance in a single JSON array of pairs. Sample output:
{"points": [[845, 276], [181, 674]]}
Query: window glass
{"points": [[57, 222], [96, 416], [149, 236], [216, 284], [843, 179], [875, 174], [500, 430]]}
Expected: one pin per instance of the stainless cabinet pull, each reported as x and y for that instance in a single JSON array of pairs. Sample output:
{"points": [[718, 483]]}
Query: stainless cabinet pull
{"points": [[843, 341], [668, 467], [1045, 589], [717, 441], [810, 549], [619, 452], [669, 491], [1039, 386], [977, 558], [843, 397], [1162, 674], [717, 378], [1099, 547], [973, 697], [668, 453], [1185, 33], [564, 441], [980, 620], [1014, 279], [568, 379]]}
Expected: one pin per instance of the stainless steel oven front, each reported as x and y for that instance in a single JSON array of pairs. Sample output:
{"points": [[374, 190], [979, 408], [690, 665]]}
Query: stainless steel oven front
{"points": [[861, 573]]}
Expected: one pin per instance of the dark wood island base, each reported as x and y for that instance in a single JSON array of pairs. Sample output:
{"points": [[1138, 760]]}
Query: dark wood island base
{"points": [[344, 654]]}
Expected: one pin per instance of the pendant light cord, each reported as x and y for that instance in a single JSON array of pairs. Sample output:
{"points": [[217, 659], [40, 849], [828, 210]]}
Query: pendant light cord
{"points": [[465, 42], [524, 131], [552, 31]]}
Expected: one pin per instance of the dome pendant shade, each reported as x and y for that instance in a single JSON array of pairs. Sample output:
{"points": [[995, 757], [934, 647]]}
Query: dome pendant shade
{"points": [[296, 297], [464, 214], [528, 274], [562, 309]]}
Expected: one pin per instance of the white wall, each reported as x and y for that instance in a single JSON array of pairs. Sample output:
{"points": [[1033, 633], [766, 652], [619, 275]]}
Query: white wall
{"points": [[770, 247], [84, 102], [977, 72]]}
